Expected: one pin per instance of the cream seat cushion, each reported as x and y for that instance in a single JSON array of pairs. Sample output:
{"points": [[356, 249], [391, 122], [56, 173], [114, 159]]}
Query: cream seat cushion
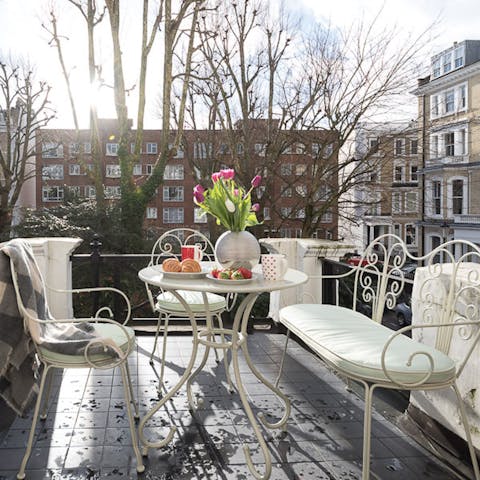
{"points": [[353, 343], [106, 330], [168, 301]]}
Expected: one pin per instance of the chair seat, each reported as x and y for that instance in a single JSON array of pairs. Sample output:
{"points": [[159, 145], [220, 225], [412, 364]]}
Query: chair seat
{"points": [[353, 343], [107, 330], [167, 301]]}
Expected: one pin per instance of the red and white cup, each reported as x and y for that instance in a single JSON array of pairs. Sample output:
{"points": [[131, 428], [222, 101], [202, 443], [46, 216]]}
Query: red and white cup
{"points": [[274, 266], [191, 251]]}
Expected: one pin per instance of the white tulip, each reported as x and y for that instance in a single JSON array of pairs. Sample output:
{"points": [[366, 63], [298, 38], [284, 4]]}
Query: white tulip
{"points": [[230, 205]]}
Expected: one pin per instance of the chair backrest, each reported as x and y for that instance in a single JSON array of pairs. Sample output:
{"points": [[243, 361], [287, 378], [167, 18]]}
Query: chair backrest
{"points": [[170, 244]]}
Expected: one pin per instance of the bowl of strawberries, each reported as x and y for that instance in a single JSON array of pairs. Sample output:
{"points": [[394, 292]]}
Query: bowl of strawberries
{"points": [[227, 275]]}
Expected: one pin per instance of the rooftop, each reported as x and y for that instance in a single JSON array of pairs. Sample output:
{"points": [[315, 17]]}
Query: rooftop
{"points": [[86, 433]]}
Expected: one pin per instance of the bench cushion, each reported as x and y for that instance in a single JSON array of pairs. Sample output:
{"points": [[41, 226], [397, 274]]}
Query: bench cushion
{"points": [[353, 343], [168, 301]]}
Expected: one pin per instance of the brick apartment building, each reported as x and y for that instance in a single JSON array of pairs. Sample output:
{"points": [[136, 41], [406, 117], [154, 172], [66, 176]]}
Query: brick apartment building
{"points": [[64, 162]]}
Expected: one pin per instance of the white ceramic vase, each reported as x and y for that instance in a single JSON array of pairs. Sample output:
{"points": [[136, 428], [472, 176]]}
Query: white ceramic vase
{"points": [[237, 249]]}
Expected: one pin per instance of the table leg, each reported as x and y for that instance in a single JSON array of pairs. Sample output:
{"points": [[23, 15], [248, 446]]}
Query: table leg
{"points": [[238, 342], [188, 371]]}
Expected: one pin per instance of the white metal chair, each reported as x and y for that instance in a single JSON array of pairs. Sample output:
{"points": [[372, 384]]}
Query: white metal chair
{"points": [[96, 342], [167, 306], [445, 305]]}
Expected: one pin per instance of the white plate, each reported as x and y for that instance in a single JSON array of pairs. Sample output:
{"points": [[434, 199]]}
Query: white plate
{"points": [[229, 281], [184, 275]]}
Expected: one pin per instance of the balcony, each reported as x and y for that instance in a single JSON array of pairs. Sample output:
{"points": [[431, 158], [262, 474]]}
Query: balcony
{"points": [[86, 432], [467, 219]]}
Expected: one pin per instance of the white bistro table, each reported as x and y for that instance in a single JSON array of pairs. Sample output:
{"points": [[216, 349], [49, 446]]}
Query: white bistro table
{"points": [[234, 339]]}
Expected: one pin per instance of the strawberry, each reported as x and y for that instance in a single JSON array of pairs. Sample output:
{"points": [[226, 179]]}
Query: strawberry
{"points": [[215, 272], [246, 273]]}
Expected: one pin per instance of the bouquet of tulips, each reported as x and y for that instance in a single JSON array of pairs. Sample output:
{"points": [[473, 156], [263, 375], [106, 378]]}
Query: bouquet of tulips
{"points": [[228, 202]]}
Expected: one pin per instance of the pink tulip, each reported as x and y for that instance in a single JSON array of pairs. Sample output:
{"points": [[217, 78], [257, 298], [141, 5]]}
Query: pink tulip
{"points": [[256, 181], [255, 207], [236, 192], [216, 177], [198, 194], [228, 173]]}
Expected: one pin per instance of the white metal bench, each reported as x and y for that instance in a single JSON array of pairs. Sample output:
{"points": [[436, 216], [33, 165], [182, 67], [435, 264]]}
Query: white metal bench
{"points": [[362, 349]]}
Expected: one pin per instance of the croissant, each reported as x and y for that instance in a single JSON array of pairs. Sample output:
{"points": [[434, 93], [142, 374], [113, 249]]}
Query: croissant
{"points": [[171, 265], [191, 266]]}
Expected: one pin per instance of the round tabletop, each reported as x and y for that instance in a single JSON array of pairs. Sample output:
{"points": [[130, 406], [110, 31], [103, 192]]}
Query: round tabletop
{"points": [[205, 283]]}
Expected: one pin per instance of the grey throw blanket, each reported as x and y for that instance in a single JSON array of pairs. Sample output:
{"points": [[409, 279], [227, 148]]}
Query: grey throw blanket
{"points": [[16, 346]]}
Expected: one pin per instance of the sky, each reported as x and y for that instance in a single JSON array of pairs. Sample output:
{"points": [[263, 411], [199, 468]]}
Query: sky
{"points": [[21, 34]]}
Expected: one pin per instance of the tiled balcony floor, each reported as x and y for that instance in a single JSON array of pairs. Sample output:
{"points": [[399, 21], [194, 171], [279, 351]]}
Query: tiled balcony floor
{"points": [[86, 434]]}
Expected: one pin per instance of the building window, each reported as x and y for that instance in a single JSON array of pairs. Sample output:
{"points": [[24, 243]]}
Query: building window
{"points": [[74, 191], [260, 149], [286, 169], [112, 191], [459, 57], [300, 169], [436, 67], [173, 194], [285, 212], [87, 147], [113, 171], [437, 197], [74, 169], [112, 149], [398, 173], [266, 213], [399, 146], [461, 142], [449, 139], [396, 202], [199, 215], [52, 172], [152, 148], [74, 148], [410, 234], [52, 150], [301, 190], [462, 94], [413, 147], [413, 173], [434, 146], [286, 192], [449, 101], [447, 62], [434, 100], [152, 212], [396, 229], [457, 197], [373, 145], [240, 149], [173, 215], [411, 202], [149, 169], [52, 194], [300, 213], [137, 169], [327, 217], [202, 150], [90, 191], [174, 172]]}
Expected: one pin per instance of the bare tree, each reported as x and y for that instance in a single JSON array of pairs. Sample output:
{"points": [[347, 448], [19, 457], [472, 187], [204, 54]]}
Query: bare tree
{"points": [[309, 89], [24, 107]]}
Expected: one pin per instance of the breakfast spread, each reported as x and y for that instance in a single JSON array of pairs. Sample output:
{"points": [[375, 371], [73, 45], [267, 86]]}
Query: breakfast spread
{"points": [[186, 266]]}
